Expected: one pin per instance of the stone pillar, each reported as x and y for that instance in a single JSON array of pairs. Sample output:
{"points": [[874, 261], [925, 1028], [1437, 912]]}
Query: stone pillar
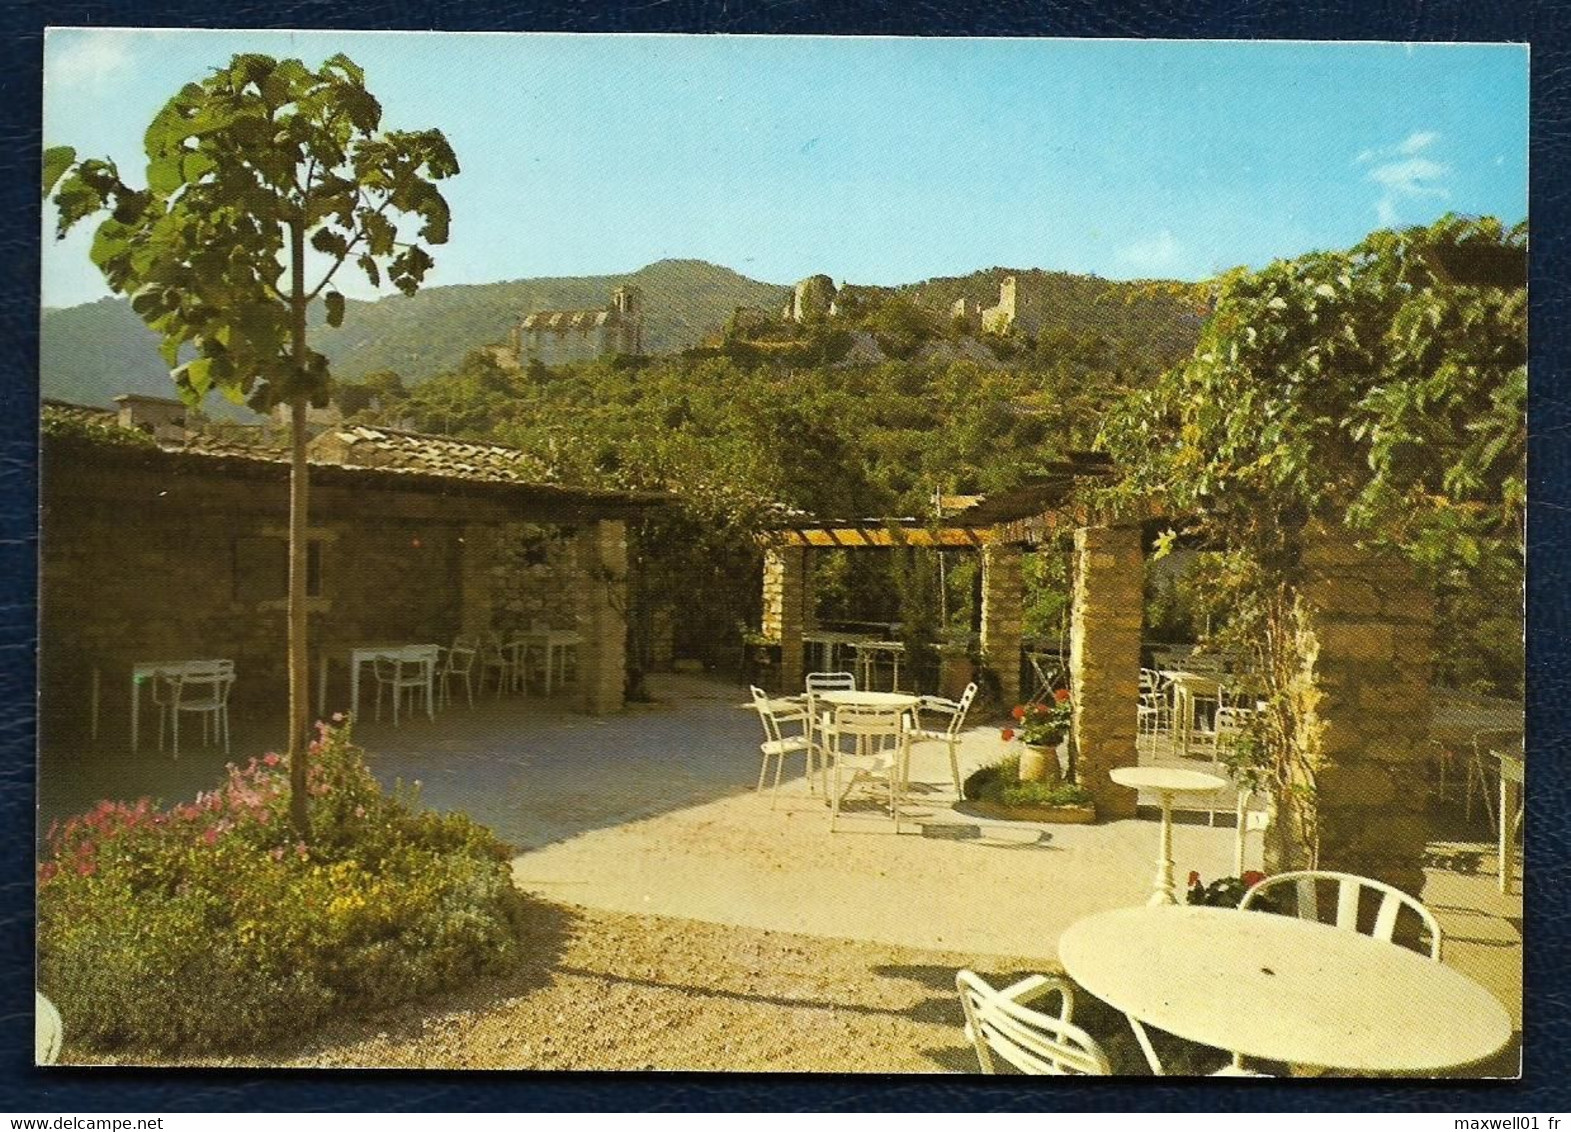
{"points": [[1104, 660], [1003, 615], [477, 558], [785, 594], [1366, 639], [603, 626]]}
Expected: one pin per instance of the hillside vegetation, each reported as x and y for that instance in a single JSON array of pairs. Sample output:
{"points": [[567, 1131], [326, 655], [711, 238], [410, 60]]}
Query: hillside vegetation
{"points": [[91, 353]]}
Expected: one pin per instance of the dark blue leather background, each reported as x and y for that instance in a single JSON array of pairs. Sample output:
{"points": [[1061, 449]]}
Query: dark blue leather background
{"points": [[1543, 23]]}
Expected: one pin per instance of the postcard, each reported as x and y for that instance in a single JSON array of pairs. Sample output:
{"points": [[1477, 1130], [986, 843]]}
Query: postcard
{"points": [[782, 554]]}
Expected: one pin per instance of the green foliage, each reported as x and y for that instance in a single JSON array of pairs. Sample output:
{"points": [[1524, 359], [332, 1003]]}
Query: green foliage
{"points": [[68, 428], [243, 169], [999, 783], [209, 926]]}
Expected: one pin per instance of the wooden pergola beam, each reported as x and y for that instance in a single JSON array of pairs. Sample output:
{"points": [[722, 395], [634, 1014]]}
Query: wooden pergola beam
{"points": [[831, 538]]}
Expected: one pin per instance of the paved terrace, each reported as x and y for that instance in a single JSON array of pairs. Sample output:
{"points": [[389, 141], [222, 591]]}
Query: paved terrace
{"points": [[653, 812]]}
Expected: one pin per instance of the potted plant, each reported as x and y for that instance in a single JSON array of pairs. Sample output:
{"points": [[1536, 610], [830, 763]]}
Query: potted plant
{"points": [[1041, 727]]}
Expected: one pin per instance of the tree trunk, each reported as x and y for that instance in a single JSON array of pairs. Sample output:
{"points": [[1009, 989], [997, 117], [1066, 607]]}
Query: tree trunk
{"points": [[299, 657]]}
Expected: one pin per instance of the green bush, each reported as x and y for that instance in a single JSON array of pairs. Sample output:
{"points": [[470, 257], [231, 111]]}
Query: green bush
{"points": [[209, 925], [1000, 784]]}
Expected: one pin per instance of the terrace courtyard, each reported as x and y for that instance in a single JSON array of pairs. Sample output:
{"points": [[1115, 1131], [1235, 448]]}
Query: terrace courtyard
{"points": [[741, 934]]}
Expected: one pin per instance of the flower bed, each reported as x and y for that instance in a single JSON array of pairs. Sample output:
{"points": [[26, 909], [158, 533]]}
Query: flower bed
{"points": [[209, 924], [997, 791]]}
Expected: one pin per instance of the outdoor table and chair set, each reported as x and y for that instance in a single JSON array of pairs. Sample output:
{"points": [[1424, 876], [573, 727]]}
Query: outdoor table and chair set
{"points": [[1345, 977], [422, 677]]}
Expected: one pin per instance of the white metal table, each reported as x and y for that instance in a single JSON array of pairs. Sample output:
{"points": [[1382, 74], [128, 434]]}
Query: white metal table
{"points": [[144, 670], [426, 654], [1167, 782], [867, 653], [1283, 989], [553, 643], [828, 645], [1187, 688]]}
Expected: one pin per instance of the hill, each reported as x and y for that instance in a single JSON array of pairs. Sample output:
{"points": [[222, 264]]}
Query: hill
{"points": [[1155, 318], [92, 352]]}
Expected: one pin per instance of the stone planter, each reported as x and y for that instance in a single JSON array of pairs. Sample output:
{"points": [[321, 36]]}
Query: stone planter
{"points": [[1040, 763], [1053, 815]]}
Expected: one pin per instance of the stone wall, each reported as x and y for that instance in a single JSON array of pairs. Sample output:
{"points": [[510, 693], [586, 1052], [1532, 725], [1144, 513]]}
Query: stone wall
{"points": [[142, 564], [602, 611], [1366, 640], [1003, 616], [1104, 660], [785, 608]]}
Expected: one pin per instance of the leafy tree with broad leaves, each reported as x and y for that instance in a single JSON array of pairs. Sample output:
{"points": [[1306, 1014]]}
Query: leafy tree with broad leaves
{"points": [[246, 170], [1382, 389]]}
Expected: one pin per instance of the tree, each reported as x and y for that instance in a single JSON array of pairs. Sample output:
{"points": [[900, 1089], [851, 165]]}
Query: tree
{"points": [[1382, 389], [245, 170]]}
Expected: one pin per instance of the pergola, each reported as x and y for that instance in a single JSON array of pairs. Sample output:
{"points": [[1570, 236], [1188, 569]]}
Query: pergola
{"points": [[1362, 702]]}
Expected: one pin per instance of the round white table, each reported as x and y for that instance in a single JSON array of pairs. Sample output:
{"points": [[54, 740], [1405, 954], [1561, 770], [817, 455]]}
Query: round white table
{"points": [[1166, 782], [1284, 989], [868, 699]]}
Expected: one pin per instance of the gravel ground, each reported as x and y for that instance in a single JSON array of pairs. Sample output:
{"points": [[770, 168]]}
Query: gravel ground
{"points": [[607, 990]]}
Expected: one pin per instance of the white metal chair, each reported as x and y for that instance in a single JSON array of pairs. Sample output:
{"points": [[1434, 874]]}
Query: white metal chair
{"points": [[1482, 767], [48, 1031], [1350, 892], [201, 687], [1001, 1024], [882, 751], [950, 734], [817, 682], [1155, 712], [458, 664], [777, 745], [495, 657], [405, 671]]}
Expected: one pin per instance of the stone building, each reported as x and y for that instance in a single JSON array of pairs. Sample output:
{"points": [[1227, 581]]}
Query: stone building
{"points": [[159, 550], [557, 337], [813, 300]]}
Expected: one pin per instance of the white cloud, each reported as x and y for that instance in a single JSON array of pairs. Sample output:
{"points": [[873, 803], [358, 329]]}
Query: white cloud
{"points": [[1159, 252], [1418, 141], [1404, 175], [88, 60]]}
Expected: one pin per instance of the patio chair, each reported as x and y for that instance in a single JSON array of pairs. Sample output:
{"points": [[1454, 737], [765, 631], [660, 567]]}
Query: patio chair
{"points": [[950, 734], [48, 1031], [458, 664], [817, 682], [200, 687], [882, 753], [496, 657], [777, 745], [403, 672], [1002, 1024], [1350, 892]]}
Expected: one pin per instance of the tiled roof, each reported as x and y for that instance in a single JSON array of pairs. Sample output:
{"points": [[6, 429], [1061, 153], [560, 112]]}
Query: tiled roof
{"points": [[570, 320], [366, 446]]}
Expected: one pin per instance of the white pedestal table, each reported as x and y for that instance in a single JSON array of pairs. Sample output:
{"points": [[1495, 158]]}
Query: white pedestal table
{"points": [[1166, 782]]}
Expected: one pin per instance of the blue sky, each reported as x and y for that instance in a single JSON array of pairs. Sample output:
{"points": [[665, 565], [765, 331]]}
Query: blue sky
{"points": [[874, 160]]}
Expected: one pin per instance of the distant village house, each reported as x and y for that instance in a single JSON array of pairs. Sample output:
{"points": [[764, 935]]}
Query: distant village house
{"points": [[557, 337]]}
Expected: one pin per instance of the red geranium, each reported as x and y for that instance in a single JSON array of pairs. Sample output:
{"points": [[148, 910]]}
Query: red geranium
{"points": [[1007, 734]]}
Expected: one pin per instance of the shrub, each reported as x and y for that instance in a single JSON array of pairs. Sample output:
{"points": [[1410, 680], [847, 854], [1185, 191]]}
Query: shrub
{"points": [[1000, 784], [210, 925]]}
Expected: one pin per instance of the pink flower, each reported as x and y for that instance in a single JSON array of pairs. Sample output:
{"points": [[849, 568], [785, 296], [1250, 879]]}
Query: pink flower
{"points": [[272, 758], [86, 868], [47, 871], [277, 854], [210, 835], [301, 851], [338, 717], [359, 811]]}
